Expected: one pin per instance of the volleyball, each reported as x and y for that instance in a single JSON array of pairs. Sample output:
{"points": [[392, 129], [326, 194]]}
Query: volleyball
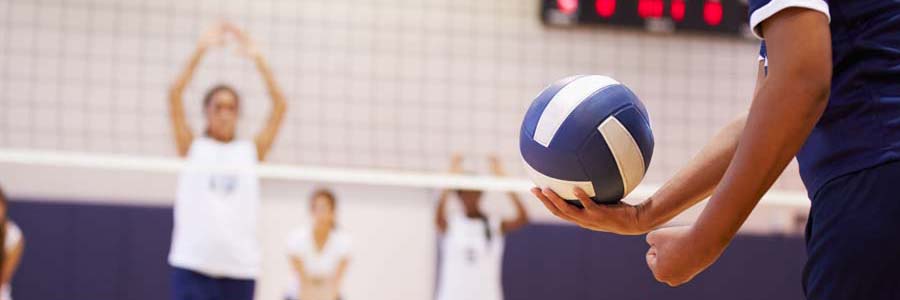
{"points": [[587, 131]]}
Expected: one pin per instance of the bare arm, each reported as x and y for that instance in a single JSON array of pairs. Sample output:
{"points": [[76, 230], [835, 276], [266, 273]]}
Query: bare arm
{"points": [[440, 216], [266, 137], [521, 218], [11, 261], [183, 134], [786, 108], [695, 181], [339, 277], [784, 112], [297, 265]]}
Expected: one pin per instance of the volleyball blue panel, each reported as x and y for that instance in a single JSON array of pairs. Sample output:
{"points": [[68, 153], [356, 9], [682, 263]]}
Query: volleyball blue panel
{"points": [[563, 166], [598, 162]]}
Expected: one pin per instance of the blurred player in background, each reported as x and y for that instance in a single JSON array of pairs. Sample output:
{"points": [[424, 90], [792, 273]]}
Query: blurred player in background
{"points": [[13, 246], [472, 247], [827, 93], [319, 253], [215, 252]]}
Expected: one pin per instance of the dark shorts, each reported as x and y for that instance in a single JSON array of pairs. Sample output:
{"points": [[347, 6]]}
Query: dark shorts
{"points": [[853, 237], [190, 285]]}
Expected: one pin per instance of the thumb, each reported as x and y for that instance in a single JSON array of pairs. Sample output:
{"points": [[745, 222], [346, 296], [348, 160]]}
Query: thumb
{"points": [[651, 258], [661, 235], [653, 238]]}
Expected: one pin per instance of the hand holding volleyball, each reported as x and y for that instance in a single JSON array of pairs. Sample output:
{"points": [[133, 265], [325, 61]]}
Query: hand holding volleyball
{"points": [[586, 143], [621, 218]]}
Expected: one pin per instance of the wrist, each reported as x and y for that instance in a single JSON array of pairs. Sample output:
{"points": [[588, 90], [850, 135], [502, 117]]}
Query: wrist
{"points": [[709, 238], [646, 220]]}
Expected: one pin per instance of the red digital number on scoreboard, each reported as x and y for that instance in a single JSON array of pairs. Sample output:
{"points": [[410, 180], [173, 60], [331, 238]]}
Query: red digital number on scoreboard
{"points": [[649, 9], [720, 16], [605, 8], [677, 10], [712, 12]]}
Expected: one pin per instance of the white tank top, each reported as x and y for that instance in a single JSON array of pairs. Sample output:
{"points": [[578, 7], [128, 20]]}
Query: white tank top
{"points": [[470, 263], [216, 211]]}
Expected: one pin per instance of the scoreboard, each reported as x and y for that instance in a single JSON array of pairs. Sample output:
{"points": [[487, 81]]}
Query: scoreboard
{"points": [[727, 17]]}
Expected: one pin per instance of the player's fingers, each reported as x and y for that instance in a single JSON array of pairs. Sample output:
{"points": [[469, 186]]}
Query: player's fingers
{"points": [[651, 238], [586, 201], [552, 208], [560, 203]]}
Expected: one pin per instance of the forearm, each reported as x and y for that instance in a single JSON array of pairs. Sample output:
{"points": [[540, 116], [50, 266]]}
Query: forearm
{"points": [[339, 275], [269, 79], [696, 181], [188, 73], [297, 265], [521, 213], [440, 217], [776, 129], [183, 134]]}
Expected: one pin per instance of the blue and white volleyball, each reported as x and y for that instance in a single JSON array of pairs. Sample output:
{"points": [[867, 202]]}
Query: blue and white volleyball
{"points": [[587, 131]]}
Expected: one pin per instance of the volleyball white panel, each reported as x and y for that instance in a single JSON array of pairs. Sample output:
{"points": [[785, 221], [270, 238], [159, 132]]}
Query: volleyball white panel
{"points": [[564, 102], [626, 152], [563, 188]]}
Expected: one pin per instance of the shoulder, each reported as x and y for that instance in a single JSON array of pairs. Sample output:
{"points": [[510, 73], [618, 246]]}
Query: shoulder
{"points": [[760, 10]]}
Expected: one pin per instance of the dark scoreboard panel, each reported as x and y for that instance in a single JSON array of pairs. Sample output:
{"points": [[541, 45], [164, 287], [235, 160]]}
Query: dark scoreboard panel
{"points": [[712, 16]]}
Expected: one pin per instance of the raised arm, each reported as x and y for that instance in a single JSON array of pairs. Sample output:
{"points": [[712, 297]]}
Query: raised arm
{"points": [[693, 183], [786, 108], [440, 216], [266, 137], [521, 218], [183, 134]]}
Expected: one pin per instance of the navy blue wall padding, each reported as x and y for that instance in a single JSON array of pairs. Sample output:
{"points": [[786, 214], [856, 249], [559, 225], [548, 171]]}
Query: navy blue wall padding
{"points": [[81, 251], [566, 262], [87, 251]]}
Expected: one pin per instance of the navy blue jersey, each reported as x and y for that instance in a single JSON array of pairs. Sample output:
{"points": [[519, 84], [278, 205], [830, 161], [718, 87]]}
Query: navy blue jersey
{"points": [[860, 127]]}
